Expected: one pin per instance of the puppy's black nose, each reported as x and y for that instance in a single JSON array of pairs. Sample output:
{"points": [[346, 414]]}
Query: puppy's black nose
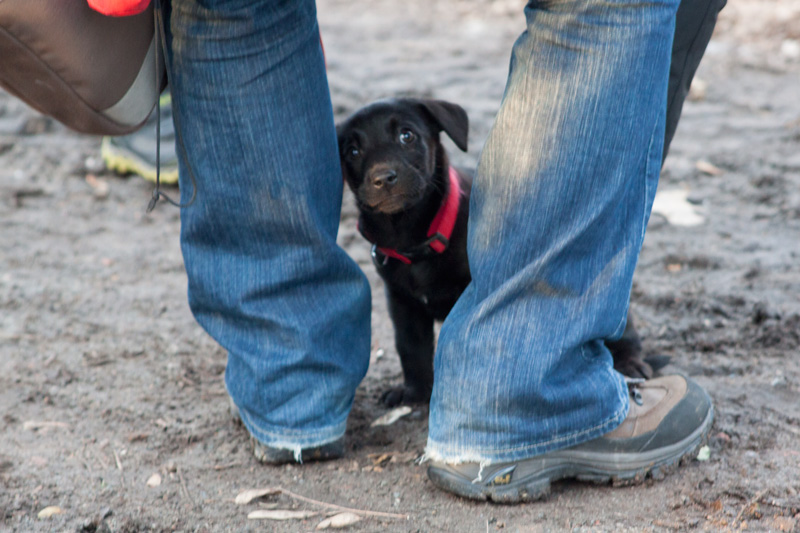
{"points": [[383, 177]]}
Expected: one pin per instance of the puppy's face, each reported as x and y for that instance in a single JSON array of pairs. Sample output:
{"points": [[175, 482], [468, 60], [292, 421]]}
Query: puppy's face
{"points": [[388, 153]]}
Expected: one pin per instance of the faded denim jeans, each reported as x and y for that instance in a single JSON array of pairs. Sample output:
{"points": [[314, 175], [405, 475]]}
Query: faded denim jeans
{"points": [[561, 200], [266, 277]]}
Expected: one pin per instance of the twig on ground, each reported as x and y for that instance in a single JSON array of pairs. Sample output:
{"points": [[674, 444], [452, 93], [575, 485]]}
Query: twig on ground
{"points": [[362, 512], [747, 504], [35, 425], [735, 493], [119, 466], [100, 458], [668, 525], [19, 195], [333, 506], [779, 504], [185, 489], [227, 466]]}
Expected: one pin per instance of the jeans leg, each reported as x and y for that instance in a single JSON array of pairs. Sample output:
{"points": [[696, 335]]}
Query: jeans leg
{"points": [[266, 278], [559, 207]]}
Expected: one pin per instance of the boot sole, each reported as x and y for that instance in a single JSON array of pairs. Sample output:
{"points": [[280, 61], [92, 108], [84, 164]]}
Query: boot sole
{"points": [[620, 470]]}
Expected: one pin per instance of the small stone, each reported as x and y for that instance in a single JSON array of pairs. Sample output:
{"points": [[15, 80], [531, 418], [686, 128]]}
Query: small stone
{"points": [[779, 382], [697, 90], [94, 165]]}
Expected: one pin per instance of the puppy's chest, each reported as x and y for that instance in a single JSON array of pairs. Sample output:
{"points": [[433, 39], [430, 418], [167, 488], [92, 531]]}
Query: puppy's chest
{"points": [[431, 283]]}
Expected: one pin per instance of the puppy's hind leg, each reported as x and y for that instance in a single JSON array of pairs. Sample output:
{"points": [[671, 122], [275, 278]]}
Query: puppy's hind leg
{"points": [[413, 335]]}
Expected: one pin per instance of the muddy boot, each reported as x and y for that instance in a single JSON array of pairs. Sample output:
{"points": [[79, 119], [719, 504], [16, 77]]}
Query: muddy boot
{"points": [[279, 456], [669, 419]]}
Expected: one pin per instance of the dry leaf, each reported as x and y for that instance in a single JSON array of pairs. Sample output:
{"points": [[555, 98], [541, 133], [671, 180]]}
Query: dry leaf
{"points": [[47, 512], [154, 480], [674, 205], [708, 168], [392, 416], [704, 454], [380, 459], [281, 514], [246, 496], [339, 521]]}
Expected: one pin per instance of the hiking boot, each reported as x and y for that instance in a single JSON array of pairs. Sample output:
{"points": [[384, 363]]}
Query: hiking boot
{"points": [[669, 419], [136, 153], [281, 456]]}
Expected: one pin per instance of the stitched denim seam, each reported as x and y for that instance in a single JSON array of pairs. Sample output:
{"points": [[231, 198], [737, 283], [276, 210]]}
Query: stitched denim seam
{"points": [[647, 181]]}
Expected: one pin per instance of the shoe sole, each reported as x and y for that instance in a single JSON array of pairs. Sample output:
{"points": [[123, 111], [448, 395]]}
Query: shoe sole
{"points": [[620, 470], [124, 162]]}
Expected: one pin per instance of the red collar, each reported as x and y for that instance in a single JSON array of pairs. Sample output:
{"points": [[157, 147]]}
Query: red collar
{"points": [[440, 229]]}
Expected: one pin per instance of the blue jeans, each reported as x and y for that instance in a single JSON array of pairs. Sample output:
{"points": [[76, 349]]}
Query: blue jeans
{"points": [[561, 199], [266, 277], [560, 204]]}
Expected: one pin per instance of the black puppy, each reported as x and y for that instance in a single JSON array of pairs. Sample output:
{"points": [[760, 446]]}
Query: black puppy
{"points": [[413, 207]]}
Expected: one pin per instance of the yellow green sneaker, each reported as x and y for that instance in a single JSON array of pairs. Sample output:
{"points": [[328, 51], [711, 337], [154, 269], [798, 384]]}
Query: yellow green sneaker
{"points": [[136, 153]]}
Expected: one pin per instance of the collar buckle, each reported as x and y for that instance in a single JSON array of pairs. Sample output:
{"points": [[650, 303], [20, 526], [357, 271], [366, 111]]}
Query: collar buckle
{"points": [[438, 242]]}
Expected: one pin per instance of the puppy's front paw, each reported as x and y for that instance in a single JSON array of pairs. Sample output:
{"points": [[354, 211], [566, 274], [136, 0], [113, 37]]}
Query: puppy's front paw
{"points": [[657, 362], [405, 395], [633, 367]]}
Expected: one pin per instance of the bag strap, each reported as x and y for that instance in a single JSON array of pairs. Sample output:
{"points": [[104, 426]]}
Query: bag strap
{"points": [[161, 51]]}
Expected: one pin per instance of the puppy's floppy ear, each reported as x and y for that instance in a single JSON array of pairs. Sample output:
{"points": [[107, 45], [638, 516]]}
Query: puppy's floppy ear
{"points": [[339, 134], [452, 119]]}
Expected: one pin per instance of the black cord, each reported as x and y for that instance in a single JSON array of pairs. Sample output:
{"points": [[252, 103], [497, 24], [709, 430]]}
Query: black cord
{"points": [[161, 52]]}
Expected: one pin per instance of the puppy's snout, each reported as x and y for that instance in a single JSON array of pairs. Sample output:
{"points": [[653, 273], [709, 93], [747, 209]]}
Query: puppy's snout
{"points": [[382, 177]]}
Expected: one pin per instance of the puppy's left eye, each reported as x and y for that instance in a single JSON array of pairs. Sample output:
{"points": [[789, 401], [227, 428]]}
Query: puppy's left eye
{"points": [[406, 136], [353, 152]]}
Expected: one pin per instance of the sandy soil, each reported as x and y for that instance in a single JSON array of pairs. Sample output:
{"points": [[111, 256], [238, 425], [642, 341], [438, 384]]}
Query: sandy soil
{"points": [[105, 379]]}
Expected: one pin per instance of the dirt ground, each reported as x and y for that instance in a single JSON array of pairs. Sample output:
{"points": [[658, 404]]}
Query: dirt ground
{"points": [[106, 380]]}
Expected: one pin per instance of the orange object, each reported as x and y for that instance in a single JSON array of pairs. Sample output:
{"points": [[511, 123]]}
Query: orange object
{"points": [[119, 8]]}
